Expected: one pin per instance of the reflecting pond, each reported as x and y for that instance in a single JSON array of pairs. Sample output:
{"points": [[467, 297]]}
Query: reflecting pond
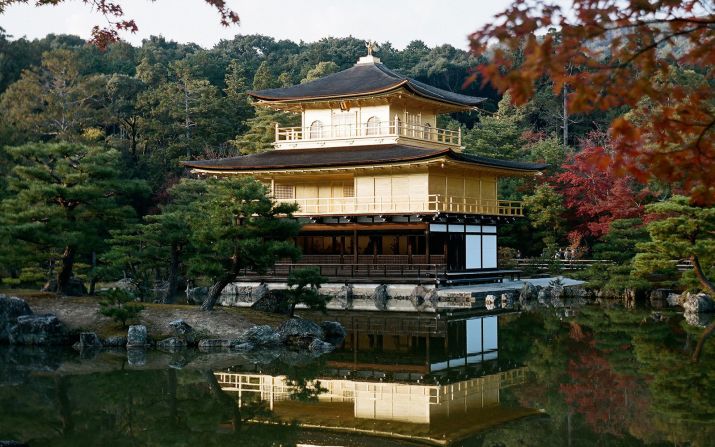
{"points": [[592, 376]]}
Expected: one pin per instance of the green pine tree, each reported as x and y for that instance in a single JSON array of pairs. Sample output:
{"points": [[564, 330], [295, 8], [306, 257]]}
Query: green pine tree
{"points": [[681, 231], [64, 199], [263, 78], [497, 135], [619, 247], [236, 226], [304, 287], [261, 131]]}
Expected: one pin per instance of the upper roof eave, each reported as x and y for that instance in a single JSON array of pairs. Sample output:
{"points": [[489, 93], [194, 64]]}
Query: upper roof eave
{"points": [[359, 81]]}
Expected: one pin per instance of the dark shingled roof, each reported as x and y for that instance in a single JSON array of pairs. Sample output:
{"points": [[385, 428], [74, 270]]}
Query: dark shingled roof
{"points": [[362, 79], [347, 156]]}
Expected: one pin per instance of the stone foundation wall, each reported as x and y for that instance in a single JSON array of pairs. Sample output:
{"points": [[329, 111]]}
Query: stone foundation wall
{"points": [[394, 297]]}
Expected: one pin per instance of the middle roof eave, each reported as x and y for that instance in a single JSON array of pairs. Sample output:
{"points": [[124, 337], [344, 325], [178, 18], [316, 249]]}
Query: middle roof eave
{"points": [[349, 156]]}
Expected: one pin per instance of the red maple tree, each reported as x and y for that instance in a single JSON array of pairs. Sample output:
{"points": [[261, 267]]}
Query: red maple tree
{"points": [[594, 191], [611, 53]]}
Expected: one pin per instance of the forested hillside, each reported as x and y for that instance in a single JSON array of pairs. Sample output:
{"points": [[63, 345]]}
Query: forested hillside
{"points": [[144, 109]]}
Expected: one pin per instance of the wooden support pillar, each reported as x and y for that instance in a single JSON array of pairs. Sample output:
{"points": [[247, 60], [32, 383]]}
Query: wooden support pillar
{"points": [[374, 249], [427, 246], [342, 249], [355, 247], [410, 239]]}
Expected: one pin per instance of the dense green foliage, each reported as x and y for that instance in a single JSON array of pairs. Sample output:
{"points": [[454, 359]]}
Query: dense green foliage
{"points": [[234, 227], [304, 288], [118, 305], [63, 199], [145, 109]]}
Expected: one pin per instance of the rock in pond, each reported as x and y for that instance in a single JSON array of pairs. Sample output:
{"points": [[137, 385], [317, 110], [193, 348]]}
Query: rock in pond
{"points": [[698, 319], [344, 297], [262, 335], [700, 303], [136, 356], [334, 332], [171, 344], [10, 309], [528, 292], [299, 332], [674, 299], [380, 297], [320, 346], [216, 343], [417, 297], [137, 336], [183, 331], [38, 330], [88, 340], [116, 341]]}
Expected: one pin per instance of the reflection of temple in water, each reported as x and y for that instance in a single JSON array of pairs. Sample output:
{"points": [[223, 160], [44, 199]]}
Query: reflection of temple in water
{"points": [[440, 383], [412, 346]]}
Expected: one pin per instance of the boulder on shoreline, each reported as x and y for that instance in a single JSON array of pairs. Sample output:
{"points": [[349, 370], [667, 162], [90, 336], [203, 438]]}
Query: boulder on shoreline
{"points": [[334, 332], [137, 336], [299, 333], [38, 330], [171, 344], [183, 331], [117, 341], [697, 303], [88, 340], [11, 308], [262, 335]]}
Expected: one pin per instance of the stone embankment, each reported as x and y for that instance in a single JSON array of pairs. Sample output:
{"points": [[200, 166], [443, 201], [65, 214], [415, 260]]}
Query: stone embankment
{"points": [[382, 297], [20, 326]]}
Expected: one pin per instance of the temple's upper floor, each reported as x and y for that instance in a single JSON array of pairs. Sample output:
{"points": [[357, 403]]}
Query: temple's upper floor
{"points": [[366, 104]]}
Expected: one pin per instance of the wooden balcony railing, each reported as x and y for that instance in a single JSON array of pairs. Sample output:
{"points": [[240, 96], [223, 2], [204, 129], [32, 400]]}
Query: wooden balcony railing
{"points": [[369, 130], [387, 204]]}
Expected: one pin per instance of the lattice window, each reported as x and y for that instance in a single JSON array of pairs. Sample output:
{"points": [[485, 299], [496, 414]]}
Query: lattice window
{"points": [[349, 190], [284, 192]]}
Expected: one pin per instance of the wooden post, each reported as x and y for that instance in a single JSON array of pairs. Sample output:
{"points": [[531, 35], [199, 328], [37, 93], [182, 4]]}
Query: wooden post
{"points": [[427, 244], [355, 247], [409, 249], [276, 132], [459, 136]]}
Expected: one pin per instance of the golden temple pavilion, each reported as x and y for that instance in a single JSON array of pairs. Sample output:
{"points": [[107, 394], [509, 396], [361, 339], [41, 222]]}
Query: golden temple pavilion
{"points": [[384, 194]]}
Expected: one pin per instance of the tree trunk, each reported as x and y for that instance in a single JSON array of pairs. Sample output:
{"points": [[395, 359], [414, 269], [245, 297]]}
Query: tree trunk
{"points": [[171, 397], [93, 280], [701, 342], [224, 398], [704, 281], [215, 291], [707, 285], [170, 297], [65, 273], [566, 118]]}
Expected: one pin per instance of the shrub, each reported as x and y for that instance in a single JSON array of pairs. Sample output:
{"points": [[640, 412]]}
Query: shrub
{"points": [[119, 306]]}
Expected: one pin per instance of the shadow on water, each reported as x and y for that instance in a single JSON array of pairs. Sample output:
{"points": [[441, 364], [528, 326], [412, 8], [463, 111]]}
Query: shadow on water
{"points": [[596, 377]]}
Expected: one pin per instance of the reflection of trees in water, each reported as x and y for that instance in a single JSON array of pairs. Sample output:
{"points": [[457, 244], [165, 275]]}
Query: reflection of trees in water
{"points": [[162, 407], [608, 376]]}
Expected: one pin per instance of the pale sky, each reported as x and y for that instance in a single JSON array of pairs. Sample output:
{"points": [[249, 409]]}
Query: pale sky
{"points": [[434, 22]]}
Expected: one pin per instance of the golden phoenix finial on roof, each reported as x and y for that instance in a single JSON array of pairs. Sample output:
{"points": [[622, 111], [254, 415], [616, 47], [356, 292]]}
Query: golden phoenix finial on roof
{"points": [[371, 46]]}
